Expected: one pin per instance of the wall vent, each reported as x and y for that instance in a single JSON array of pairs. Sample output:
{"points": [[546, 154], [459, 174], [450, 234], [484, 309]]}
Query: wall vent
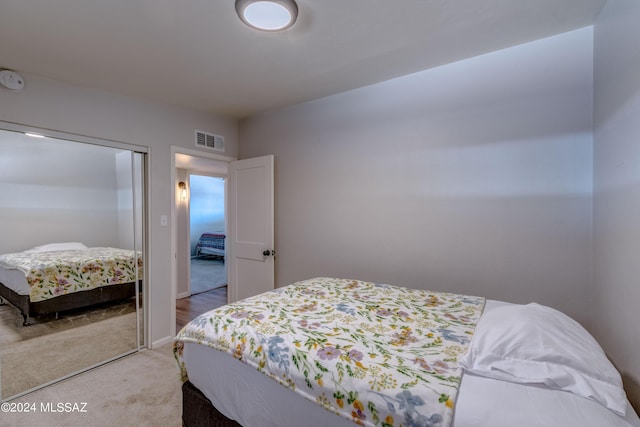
{"points": [[209, 140]]}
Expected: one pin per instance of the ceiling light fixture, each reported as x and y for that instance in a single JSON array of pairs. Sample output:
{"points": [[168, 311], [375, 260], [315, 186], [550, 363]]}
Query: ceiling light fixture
{"points": [[271, 15], [34, 135]]}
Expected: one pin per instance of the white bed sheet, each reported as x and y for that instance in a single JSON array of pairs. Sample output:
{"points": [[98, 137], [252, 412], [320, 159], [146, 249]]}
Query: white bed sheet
{"points": [[15, 280], [251, 398]]}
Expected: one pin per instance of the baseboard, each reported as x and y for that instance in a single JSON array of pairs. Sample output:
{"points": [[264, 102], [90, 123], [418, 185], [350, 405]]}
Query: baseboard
{"points": [[161, 342], [181, 295]]}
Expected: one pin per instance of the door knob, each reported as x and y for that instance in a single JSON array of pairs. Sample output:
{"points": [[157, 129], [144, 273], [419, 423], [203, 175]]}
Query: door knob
{"points": [[267, 252]]}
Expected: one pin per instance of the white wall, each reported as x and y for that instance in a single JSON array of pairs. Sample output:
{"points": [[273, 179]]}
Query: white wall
{"points": [[206, 207], [183, 256], [56, 191], [124, 182], [617, 188], [55, 105], [474, 177]]}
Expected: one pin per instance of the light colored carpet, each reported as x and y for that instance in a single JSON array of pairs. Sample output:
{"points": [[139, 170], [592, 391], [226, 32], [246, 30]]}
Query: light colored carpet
{"points": [[138, 390], [207, 274], [49, 349]]}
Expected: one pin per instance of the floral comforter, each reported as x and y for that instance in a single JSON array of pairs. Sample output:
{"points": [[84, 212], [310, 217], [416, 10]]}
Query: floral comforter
{"points": [[379, 355], [51, 274]]}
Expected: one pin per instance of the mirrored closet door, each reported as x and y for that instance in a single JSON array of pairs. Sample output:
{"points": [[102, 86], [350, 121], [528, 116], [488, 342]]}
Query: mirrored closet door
{"points": [[72, 253]]}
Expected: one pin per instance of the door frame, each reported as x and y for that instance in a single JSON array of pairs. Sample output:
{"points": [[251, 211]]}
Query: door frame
{"points": [[174, 230]]}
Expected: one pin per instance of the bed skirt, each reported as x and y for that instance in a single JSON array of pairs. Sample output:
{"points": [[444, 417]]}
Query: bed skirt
{"points": [[70, 301], [198, 411]]}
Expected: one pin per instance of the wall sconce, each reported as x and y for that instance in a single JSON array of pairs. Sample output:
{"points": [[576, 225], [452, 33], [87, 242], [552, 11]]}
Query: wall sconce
{"points": [[183, 190]]}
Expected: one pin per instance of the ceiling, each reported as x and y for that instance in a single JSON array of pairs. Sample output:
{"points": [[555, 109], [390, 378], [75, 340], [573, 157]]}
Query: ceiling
{"points": [[198, 54]]}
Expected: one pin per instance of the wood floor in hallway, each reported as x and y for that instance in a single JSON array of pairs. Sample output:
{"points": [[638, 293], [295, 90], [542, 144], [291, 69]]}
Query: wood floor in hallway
{"points": [[189, 308]]}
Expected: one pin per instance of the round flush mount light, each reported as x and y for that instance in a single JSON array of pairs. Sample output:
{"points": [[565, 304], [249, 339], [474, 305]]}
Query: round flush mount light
{"points": [[271, 15]]}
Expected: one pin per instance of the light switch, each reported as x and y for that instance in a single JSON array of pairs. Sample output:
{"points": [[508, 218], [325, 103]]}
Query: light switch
{"points": [[164, 220]]}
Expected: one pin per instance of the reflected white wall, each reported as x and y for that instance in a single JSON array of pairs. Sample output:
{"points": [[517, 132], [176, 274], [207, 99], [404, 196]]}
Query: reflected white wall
{"points": [[58, 191]]}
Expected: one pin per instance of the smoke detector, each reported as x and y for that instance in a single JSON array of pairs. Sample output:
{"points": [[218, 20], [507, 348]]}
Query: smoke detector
{"points": [[11, 80]]}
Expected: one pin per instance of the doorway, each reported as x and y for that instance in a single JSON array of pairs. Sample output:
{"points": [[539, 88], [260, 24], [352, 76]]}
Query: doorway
{"points": [[207, 233], [249, 242], [200, 211]]}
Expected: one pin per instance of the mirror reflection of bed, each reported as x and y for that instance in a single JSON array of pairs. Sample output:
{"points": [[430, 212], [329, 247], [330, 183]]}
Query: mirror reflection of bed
{"points": [[71, 258]]}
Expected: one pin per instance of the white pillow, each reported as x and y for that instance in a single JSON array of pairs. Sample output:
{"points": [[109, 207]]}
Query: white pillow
{"points": [[535, 344], [51, 247]]}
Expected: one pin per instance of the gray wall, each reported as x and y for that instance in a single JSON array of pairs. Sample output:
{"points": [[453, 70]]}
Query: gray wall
{"points": [[130, 179], [616, 263], [57, 191], [474, 177]]}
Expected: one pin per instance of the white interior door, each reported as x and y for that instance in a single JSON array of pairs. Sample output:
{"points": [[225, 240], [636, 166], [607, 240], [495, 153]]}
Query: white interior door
{"points": [[251, 245]]}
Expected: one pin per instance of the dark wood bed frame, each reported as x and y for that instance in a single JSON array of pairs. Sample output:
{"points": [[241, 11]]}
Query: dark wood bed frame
{"points": [[66, 302], [198, 411]]}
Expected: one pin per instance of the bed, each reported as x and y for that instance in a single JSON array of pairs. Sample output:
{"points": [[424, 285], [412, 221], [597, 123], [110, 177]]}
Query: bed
{"points": [[334, 352], [62, 276], [210, 244]]}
